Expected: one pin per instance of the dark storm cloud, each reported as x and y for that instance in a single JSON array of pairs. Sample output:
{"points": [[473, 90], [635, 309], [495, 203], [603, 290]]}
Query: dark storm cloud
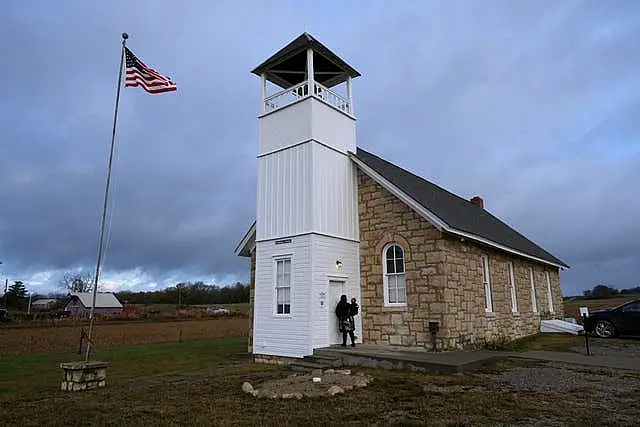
{"points": [[531, 105]]}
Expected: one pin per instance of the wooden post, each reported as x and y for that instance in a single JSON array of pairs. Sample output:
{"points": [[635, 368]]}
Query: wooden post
{"points": [[349, 95], [310, 80], [586, 335], [263, 88]]}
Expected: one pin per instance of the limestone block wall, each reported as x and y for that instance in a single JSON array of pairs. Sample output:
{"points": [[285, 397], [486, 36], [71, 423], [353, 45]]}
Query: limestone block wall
{"points": [[443, 281], [384, 219], [466, 322]]}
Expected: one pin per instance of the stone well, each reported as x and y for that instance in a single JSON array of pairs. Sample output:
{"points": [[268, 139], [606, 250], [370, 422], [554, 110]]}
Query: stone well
{"points": [[83, 375]]}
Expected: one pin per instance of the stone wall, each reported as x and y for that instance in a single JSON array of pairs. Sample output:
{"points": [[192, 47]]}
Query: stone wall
{"points": [[384, 219], [466, 322], [267, 359], [443, 281]]}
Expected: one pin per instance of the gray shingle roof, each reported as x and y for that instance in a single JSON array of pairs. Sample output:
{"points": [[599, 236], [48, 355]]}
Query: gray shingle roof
{"points": [[329, 68], [458, 213]]}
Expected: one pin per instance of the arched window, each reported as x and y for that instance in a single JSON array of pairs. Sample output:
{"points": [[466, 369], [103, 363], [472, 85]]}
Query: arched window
{"points": [[395, 290]]}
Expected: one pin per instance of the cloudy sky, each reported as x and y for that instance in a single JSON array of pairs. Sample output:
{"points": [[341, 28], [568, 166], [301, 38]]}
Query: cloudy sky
{"points": [[533, 105]]}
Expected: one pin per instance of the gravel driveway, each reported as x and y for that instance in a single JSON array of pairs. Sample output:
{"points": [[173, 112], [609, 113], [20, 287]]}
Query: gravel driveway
{"points": [[628, 347]]}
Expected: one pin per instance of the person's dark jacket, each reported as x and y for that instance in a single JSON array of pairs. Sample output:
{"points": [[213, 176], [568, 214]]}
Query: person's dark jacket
{"points": [[343, 309], [353, 309]]}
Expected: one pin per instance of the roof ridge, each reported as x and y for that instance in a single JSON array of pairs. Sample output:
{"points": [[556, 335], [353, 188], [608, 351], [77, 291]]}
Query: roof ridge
{"points": [[467, 217], [417, 176]]}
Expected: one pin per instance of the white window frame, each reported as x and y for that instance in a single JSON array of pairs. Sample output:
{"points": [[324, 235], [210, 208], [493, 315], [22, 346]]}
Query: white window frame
{"points": [[486, 281], [512, 287], [549, 293], [277, 285], [386, 275], [534, 300]]}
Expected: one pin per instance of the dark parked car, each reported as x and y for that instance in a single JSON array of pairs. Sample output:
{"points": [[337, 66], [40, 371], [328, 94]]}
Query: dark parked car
{"points": [[611, 322]]}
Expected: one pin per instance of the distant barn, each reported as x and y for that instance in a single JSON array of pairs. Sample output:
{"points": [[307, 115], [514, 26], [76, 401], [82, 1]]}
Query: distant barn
{"points": [[43, 304], [80, 303]]}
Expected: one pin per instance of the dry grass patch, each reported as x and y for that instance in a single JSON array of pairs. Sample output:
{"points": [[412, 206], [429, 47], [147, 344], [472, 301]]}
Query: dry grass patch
{"points": [[61, 339], [572, 306], [199, 383]]}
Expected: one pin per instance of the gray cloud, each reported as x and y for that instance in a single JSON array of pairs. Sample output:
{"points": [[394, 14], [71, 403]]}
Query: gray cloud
{"points": [[531, 105]]}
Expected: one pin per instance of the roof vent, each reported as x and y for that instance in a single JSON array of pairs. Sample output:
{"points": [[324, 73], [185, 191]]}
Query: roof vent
{"points": [[477, 200]]}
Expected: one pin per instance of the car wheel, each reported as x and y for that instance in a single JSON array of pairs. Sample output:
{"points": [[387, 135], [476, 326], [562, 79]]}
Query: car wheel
{"points": [[604, 329]]}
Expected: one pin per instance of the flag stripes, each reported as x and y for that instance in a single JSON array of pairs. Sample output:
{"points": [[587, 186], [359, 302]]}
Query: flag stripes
{"points": [[138, 74]]}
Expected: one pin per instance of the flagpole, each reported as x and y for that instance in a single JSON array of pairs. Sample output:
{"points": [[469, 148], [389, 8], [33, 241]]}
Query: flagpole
{"points": [[125, 36]]}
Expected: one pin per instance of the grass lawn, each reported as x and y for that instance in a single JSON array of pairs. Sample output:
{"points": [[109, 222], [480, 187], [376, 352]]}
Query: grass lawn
{"points": [[549, 342], [199, 383]]}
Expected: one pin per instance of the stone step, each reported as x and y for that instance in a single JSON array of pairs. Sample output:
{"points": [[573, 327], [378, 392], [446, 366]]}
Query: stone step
{"points": [[330, 360], [306, 365], [322, 356], [328, 352]]}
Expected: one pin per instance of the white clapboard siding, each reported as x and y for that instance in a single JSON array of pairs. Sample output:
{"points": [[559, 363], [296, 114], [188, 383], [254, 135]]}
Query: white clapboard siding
{"points": [[305, 120], [284, 335], [304, 189], [335, 204], [285, 192], [333, 128], [325, 252], [285, 127], [307, 193]]}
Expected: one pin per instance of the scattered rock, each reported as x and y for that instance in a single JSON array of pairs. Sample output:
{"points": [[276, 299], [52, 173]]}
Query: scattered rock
{"points": [[316, 373], [247, 387], [302, 385], [361, 382], [335, 389]]}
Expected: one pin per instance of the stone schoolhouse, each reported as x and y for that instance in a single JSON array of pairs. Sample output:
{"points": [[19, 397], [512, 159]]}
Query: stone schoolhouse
{"points": [[334, 219]]}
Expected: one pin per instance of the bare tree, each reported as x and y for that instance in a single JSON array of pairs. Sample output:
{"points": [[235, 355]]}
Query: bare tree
{"points": [[77, 282]]}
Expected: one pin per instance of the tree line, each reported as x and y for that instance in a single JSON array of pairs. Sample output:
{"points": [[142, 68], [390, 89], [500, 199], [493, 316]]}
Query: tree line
{"points": [[604, 291], [189, 293], [184, 293]]}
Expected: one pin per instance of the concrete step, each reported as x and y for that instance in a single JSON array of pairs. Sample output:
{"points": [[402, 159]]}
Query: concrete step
{"points": [[330, 360], [329, 352], [305, 365]]}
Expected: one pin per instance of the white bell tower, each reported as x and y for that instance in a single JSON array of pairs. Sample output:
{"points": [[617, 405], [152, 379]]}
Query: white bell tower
{"points": [[307, 239]]}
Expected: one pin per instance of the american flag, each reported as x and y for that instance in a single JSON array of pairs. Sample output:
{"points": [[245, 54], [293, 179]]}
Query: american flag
{"points": [[149, 79]]}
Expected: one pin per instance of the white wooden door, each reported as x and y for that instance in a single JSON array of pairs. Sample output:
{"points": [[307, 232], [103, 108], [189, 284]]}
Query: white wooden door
{"points": [[336, 289]]}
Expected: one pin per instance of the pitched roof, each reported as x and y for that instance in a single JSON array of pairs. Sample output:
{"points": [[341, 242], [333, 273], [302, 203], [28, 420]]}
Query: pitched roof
{"points": [[103, 299], [453, 213], [329, 68], [247, 243]]}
